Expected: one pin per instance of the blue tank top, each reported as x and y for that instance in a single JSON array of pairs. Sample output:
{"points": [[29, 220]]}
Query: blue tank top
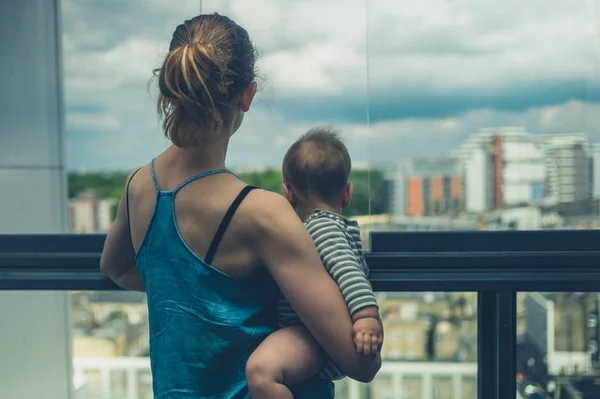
{"points": [[204, 324]]}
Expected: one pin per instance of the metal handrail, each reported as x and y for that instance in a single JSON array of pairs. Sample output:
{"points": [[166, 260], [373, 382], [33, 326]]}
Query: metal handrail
{"points": [[495, 264]]}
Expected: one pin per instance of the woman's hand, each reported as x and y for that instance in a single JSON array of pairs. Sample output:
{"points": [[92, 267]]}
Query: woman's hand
{"points": [[284, 246]]}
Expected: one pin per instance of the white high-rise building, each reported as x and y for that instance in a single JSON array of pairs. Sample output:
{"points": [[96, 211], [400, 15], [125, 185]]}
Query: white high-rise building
{"points": [[504, 167], [90, 214], [479, 190], [566, 155], [596, 170], [523, 171]]}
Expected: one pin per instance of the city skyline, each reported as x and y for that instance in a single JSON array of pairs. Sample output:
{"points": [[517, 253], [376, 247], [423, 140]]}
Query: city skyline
{"points": [[428, 79]]}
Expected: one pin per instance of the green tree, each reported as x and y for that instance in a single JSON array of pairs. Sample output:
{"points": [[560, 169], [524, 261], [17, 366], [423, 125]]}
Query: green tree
{"points": [[269, 179], [369, 196], [107, 185]]}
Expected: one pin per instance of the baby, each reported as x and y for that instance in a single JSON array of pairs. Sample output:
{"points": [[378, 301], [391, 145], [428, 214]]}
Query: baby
{"points": [[315, 180]]}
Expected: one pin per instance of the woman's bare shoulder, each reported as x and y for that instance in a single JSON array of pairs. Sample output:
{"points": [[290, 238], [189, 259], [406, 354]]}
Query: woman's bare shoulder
{"points": [[269, 215], [138, 176], [264, 207]]}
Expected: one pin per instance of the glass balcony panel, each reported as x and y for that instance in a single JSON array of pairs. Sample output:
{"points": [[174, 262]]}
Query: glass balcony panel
{"points": [[430, 347], [505, 178]]}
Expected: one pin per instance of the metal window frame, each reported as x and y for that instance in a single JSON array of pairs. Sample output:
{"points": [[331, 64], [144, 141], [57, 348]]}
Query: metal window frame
{"points": [[494, 264]]}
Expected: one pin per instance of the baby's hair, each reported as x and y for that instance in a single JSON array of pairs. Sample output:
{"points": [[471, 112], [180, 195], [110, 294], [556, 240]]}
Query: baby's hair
{"points": [[211, 60], [318, 163]]}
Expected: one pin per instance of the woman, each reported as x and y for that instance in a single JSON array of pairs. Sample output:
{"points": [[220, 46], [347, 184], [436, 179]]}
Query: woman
{"points": [[209, 251]]}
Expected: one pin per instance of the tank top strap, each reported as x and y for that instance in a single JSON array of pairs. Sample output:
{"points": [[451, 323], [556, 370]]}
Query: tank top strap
{"points": [[214, 245], [199, 176], [154, 175]]}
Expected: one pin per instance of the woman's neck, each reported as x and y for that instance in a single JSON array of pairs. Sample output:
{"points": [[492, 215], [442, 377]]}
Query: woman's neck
{"points": [[208, 156]]}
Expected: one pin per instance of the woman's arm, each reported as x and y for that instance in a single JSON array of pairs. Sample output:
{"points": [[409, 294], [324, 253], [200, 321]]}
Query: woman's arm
{"points": [[285, 247], [118, 255]]}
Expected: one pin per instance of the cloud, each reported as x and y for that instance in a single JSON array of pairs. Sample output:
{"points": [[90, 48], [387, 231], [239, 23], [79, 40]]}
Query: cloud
{"points": [[399, 77], [265, 136], [430, 58], [97, 25], [92, 121]]}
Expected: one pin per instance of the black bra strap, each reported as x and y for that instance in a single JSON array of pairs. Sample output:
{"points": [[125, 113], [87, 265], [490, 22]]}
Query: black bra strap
{"points": [[127, 198], [212, 250]]}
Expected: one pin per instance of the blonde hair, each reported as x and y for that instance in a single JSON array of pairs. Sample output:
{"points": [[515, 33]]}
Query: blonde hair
{"points": [[211, 60]]}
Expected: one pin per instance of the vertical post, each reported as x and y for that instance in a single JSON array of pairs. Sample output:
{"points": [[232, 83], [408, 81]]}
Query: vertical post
{"points": [[496, 340], [368, 391], [397, 379], [427, 388], [35, 340], [507, 344], [353, 389], [486, 345], [105, 384], [132, 382], [457, 386]]}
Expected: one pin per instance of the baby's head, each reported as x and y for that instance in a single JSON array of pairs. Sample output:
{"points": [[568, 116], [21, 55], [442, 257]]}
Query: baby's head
{"points": [[315, 172]]}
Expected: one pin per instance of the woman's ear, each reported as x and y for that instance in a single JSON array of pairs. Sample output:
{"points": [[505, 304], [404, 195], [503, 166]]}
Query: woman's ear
{"points": [[247, 97]]}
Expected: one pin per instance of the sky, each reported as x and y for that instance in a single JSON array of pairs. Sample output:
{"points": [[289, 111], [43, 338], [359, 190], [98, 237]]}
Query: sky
{"points": [[398, 78]]}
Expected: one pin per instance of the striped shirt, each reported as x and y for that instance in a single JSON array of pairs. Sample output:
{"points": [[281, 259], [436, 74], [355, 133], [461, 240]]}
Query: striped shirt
{"points": [[338, 243]]}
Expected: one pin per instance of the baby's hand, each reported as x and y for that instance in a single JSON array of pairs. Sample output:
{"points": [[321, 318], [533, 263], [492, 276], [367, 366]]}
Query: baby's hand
{"points": [[368, 336]]}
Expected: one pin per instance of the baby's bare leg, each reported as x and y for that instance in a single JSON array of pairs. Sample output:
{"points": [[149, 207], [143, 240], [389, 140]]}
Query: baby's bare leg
{"points": [[285, 358]]}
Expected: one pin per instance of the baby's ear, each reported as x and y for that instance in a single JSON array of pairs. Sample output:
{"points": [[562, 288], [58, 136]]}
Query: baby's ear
{"points": [[347, 195], [289, 193]]}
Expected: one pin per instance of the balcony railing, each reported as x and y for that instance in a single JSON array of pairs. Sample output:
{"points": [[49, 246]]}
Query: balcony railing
{"points": [[495, 264]]}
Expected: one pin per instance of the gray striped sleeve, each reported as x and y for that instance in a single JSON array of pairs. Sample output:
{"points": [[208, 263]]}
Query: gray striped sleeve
{"points": [[341, 262]]}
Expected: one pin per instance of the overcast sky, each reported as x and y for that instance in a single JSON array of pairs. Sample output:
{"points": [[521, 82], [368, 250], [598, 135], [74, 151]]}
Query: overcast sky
{"points": [[400, 78]]}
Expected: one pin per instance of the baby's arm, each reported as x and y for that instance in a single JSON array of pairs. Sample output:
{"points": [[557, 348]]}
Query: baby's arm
{"points": [[341, 263]]}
